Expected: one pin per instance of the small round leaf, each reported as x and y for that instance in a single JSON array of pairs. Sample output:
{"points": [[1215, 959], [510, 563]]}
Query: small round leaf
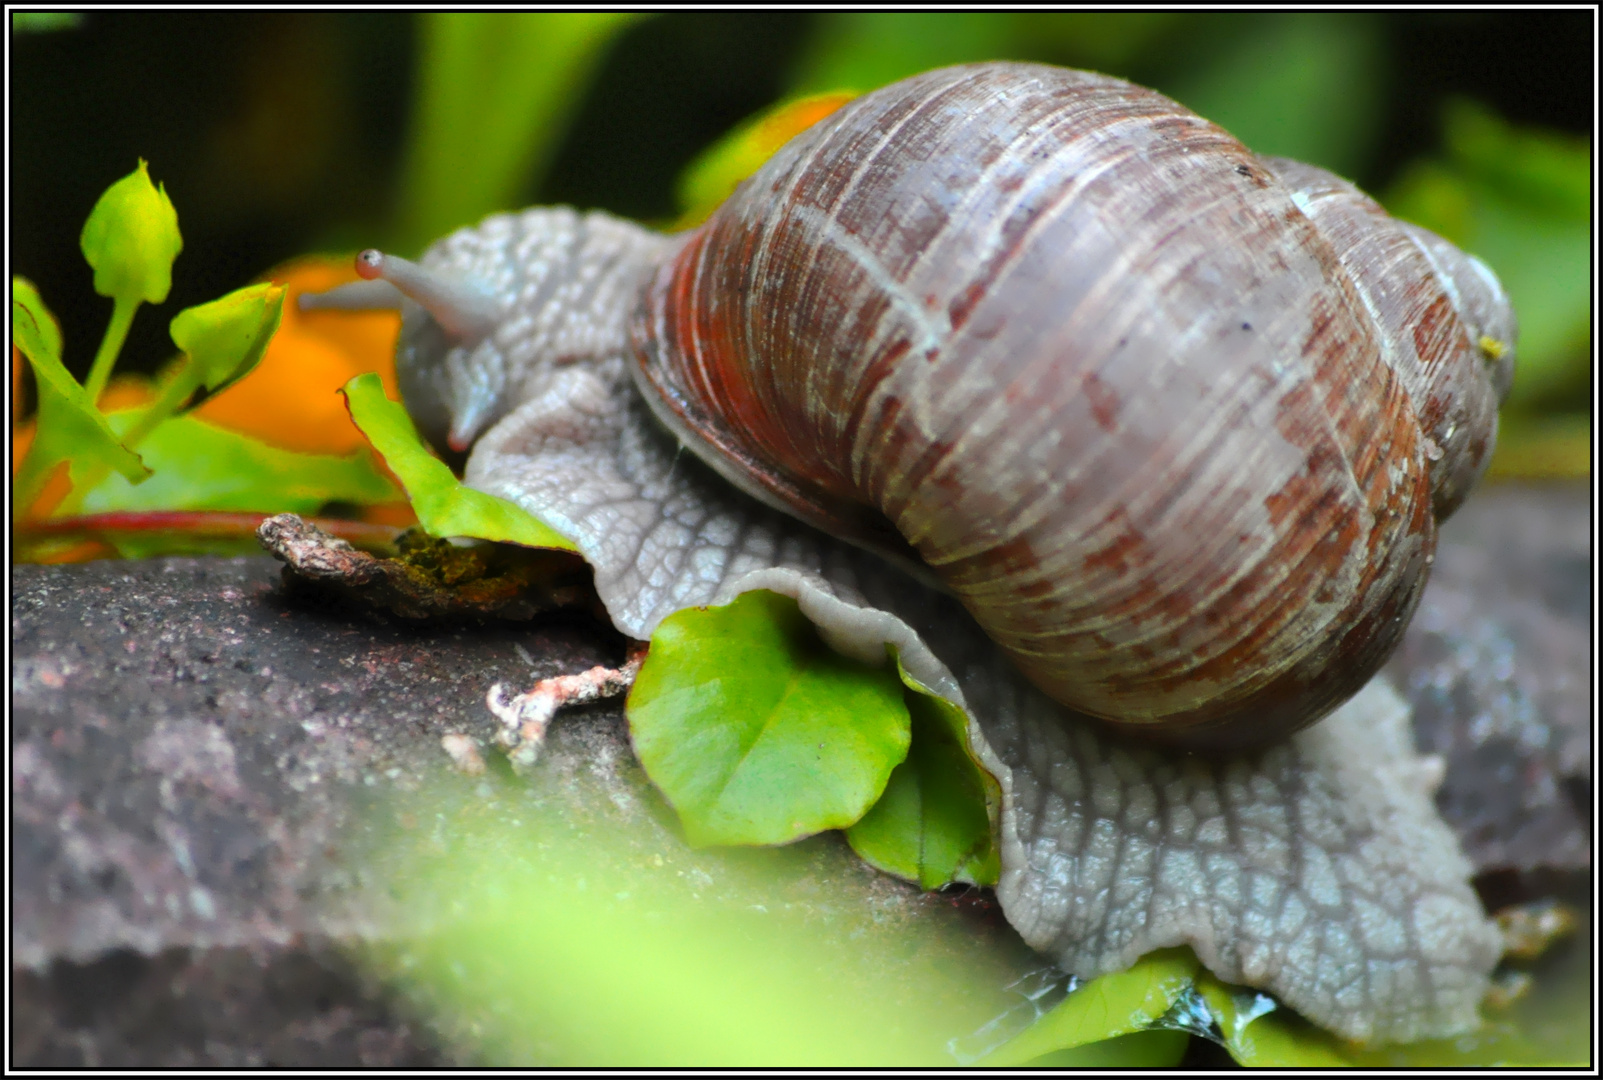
{"points": [[756, 731]]}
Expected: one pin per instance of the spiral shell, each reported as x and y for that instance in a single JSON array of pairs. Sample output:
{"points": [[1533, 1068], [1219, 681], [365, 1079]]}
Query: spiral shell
{"points": [[1172, 421]]}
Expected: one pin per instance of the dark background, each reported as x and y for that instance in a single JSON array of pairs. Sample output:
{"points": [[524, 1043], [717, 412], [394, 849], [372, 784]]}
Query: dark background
{"points": [[279, 133]]}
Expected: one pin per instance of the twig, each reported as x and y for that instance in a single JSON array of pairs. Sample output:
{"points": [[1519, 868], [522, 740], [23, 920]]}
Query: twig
{"points": [[524, 719]]}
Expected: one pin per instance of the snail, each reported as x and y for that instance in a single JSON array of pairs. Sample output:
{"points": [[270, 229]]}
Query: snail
{"points": [[1215, 336], [1176, 423]]}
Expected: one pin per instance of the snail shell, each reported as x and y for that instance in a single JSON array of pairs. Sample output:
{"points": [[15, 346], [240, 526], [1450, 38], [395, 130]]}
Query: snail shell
{"points": [[1174, 422]]}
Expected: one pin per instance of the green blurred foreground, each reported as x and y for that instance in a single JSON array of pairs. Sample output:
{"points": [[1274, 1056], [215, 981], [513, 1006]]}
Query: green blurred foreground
{"points": [[560, 920], [564, 924]]}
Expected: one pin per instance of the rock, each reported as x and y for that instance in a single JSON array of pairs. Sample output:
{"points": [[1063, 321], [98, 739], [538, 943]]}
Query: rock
{"points": [[186, 746], [204, 767], [207, 777], [287, 1007], [1497, 665]]}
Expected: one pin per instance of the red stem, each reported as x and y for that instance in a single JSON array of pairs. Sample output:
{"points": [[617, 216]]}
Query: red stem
{"points": [[202, 522]]}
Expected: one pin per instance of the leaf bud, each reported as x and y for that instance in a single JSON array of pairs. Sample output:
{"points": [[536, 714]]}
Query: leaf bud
{"points": [[131, 239]]}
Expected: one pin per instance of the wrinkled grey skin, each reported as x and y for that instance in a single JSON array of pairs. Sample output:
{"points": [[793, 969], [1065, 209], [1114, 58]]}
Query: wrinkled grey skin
{"points": [[1318, 870]]}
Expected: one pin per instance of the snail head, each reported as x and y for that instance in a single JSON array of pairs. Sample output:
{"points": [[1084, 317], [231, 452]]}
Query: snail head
{"points": [[490, 312], [442, 314]]}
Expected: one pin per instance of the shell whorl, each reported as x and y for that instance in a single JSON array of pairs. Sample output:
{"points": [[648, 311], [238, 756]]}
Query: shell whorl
{"points": [[1447, 329], [1089, 358]]}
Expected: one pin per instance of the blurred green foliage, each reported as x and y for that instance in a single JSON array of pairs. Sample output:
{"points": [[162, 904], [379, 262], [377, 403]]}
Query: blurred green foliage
{"points": [[542, 923], [537, 935], [493, 94], [44, 21]]}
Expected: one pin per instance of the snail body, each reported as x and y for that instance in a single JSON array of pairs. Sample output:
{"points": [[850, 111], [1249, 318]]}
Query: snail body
{"points": [[1175, 423]]}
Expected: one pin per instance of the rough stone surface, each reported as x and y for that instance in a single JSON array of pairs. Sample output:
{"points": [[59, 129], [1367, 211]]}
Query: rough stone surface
{"points": [[261, 1007], [182, 820], [204, 773], [1497, 663], [182, 735]]}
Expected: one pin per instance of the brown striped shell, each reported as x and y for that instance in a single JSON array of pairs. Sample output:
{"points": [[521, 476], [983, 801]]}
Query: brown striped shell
{"points": [[1174, 422]]}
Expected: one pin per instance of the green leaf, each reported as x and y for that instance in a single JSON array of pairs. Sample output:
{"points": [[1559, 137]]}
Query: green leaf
{"points": [[34, 329], [1520, 200], [70, 428], [1282, 1039], [202, 467], [443, 505], [932, 825], [1112, 1005], [221, 340], [227, 337], [756, 731], [131, 239], [1260, 1033], [494, 93]]}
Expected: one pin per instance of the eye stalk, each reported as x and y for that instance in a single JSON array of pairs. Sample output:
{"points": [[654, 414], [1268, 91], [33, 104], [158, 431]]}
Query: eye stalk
{"points": [[463, 311]]}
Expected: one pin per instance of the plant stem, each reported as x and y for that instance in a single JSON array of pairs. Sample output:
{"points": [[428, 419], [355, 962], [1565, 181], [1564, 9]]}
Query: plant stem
{"points": [[203, 523], [122, 317], [174, 394]]}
